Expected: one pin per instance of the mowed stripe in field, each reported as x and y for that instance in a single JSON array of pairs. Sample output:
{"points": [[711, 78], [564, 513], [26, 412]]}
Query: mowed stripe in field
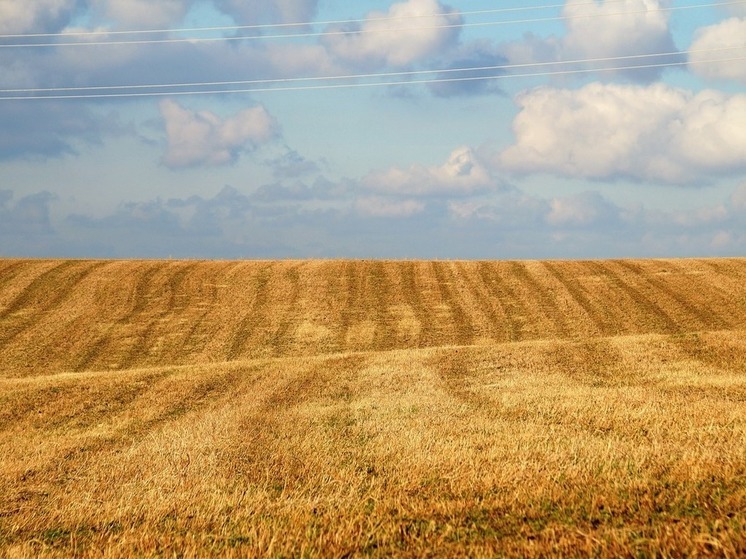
{"points": [[363, 408], [98, 315], [470, 450]]}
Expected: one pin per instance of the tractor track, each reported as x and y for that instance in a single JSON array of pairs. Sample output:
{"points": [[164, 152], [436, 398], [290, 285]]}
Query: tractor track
{"points": [[43, 295], [95, 315]]}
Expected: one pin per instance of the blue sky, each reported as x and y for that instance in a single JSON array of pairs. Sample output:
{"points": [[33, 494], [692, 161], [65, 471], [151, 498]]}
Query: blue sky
{"points": [[598, 163]]}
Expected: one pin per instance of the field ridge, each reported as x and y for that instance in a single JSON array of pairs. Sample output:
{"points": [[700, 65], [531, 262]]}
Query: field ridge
{"points": [[358, 408], [117, 314]]}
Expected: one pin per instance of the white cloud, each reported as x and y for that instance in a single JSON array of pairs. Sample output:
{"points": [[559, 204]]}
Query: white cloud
{"points": [[532, 48], [53, 129], [25, 16], [143, 13], [397, 42], [582, 209], [376, 206], [293, 60], [474, 54], [269, 11], [700, 216], [728, 33], [463, 173], [27, 216], [605, 30], [203, 138], [710, 133], [465, 209], [510, 224], [604, 131], [738, 9], [721, 239], [585, 210], [738, 199], [512, 210], [615, 28]]}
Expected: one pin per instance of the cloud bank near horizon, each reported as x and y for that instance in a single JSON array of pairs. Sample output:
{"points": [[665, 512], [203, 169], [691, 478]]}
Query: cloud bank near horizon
{"points": [[319, 173]]}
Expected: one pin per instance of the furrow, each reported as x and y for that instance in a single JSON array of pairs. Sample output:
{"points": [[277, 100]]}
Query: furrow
{"points": [[480, 305], [37, 293], [10, 270], [413, 296], [650, 316], [702, 319], [46, 293], [255, 315], [455, 369], [597, 313], [591, 362], [351, 308], [461, 321], [282, 338], [190, 342], [547, 302], [140, 351], [378, 290], [502, 296], [139, 303]]}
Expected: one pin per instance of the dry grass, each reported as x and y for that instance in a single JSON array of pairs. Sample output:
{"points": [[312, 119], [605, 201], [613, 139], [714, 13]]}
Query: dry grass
{"points": [[342, 409]]}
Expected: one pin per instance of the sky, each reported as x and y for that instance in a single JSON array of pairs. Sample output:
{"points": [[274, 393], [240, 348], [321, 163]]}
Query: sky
{"points": [[427, 129]]}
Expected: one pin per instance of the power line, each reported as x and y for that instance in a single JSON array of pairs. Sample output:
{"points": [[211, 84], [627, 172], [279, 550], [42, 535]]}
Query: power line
{"points": [[293, 24], [360, 31], [309, 23], [361, 85], [499, 67]]}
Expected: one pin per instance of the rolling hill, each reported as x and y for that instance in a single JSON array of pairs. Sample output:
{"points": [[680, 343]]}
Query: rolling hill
{"points": [[373, 408]]}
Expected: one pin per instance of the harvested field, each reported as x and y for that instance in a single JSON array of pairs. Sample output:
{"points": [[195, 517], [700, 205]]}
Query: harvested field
{"points": [[371, 408]]}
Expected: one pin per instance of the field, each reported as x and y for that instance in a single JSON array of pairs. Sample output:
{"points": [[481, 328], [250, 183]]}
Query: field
{"points": [[371, 408]]}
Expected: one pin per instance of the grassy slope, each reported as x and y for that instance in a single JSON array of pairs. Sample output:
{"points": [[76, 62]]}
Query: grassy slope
{"points": [[349, 407]]}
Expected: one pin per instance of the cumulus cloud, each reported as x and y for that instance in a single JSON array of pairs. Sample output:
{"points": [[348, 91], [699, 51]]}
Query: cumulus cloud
{"points": [[605, 30], [517, 210], [142, 13], [222, 225], [52, 129], [376, 206], [471, 55], [581, 210], [590, 225], [604, 131], [291, 164], [37, 16], [29, 215], [203, 138], [737, 9], [728, 33], [507, 224], [738, 199], [26, 227], [399, 37], [639, 27], [510, 210], [463, 173], [269, 11], [320, 189]]}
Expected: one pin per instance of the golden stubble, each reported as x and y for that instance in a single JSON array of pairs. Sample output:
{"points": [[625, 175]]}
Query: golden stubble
{"points": [[358, 427]]}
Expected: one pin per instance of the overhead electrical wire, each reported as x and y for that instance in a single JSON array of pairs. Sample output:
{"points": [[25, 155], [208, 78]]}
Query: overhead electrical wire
{"points": [[360, 31], [376, 75], [360, 85], [312, 23], [276, 84], [294, 24]]}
